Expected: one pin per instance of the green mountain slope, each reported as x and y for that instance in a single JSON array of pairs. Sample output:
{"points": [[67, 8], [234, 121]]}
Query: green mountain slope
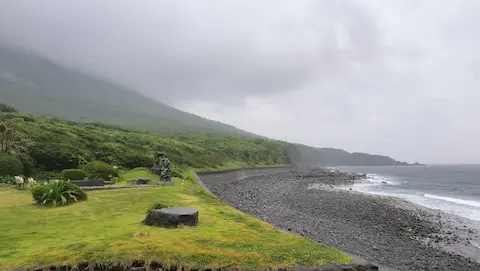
{"points": [[41, 87], [53, 145]]}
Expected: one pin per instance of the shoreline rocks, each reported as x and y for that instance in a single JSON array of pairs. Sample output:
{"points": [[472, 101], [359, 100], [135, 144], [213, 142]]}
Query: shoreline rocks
{"points": [[372, 227]]}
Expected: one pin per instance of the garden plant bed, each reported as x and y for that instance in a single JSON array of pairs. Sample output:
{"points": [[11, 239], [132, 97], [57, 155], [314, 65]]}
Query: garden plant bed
{"points": [[107, 229]]}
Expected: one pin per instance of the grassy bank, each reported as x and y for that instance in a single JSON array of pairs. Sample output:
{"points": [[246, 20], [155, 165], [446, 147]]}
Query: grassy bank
{"points": [[107, 229]]}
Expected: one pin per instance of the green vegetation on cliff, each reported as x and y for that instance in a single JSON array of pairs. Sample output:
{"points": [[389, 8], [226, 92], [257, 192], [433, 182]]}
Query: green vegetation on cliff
{"points": [[54, 145]]}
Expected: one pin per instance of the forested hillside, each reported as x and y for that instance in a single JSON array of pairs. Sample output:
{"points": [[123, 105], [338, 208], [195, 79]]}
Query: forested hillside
{"points": [[47, 144]]}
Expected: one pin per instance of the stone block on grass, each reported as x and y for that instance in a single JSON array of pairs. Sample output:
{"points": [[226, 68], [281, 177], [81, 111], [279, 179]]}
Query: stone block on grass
{"points": [[140, 181], [172, 217]]}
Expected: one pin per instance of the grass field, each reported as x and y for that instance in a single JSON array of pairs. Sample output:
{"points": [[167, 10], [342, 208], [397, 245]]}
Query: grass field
{"points": [[107, 229]]}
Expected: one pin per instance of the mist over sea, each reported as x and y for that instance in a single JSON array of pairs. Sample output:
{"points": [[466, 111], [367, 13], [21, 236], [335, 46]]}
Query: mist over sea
{"points": [[453, 189]]}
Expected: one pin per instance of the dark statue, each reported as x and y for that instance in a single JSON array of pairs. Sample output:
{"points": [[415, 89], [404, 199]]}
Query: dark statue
{"points": [[162, 167]]}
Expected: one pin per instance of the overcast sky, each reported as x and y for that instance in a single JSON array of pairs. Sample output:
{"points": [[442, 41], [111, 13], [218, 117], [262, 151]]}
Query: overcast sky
{"points": [[399, 78]]}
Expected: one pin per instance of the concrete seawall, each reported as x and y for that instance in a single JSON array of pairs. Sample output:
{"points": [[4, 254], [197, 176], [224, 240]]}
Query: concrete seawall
{"points": [[226, 176]]}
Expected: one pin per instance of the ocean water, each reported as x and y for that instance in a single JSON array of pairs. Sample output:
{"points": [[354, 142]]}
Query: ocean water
{"points": [[452, 189]]}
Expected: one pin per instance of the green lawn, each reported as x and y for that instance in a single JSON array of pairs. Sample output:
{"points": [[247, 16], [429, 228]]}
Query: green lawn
{"points": [[106, 228]]}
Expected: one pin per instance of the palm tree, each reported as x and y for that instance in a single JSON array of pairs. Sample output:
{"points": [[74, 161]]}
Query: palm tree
{"points": [[10, 139]]}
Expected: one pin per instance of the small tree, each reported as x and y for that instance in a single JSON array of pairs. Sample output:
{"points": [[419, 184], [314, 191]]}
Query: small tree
{"points": [[10, 165], [7, 109], [11, 140]]}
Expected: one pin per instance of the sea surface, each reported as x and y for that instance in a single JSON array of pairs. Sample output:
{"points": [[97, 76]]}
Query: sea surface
{"points": [[453, 189]]}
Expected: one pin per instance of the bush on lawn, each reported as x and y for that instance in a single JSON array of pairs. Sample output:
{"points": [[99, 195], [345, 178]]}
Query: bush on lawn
{"points": [[137, 160], [58, 192], [176, 172], [10, 165], [7, 179], [100, 170], [73, 174]]}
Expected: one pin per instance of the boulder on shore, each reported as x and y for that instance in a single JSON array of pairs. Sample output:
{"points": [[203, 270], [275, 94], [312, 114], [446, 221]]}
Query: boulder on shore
{"points": [[172, 217]]}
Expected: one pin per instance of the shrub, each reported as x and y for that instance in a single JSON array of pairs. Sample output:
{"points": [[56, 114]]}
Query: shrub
{"points": [[53, 155], [176, 172], [7, 179], [73, 174], [57, 192], [137, 160], [102, 170], [37, 193], [7, 109], [10, 165], [47, 175]]}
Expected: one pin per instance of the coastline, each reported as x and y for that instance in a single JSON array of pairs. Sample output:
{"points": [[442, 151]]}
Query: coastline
{"points": [[457, 234], [385, 230], [453, 234]]}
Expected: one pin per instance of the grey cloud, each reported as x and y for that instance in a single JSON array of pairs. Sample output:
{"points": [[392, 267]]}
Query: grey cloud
{"points": [[184, 49], [392, 77]]}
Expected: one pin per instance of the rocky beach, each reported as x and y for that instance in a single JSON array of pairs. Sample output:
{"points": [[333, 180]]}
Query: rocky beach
{"points": [[318, 204]]}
